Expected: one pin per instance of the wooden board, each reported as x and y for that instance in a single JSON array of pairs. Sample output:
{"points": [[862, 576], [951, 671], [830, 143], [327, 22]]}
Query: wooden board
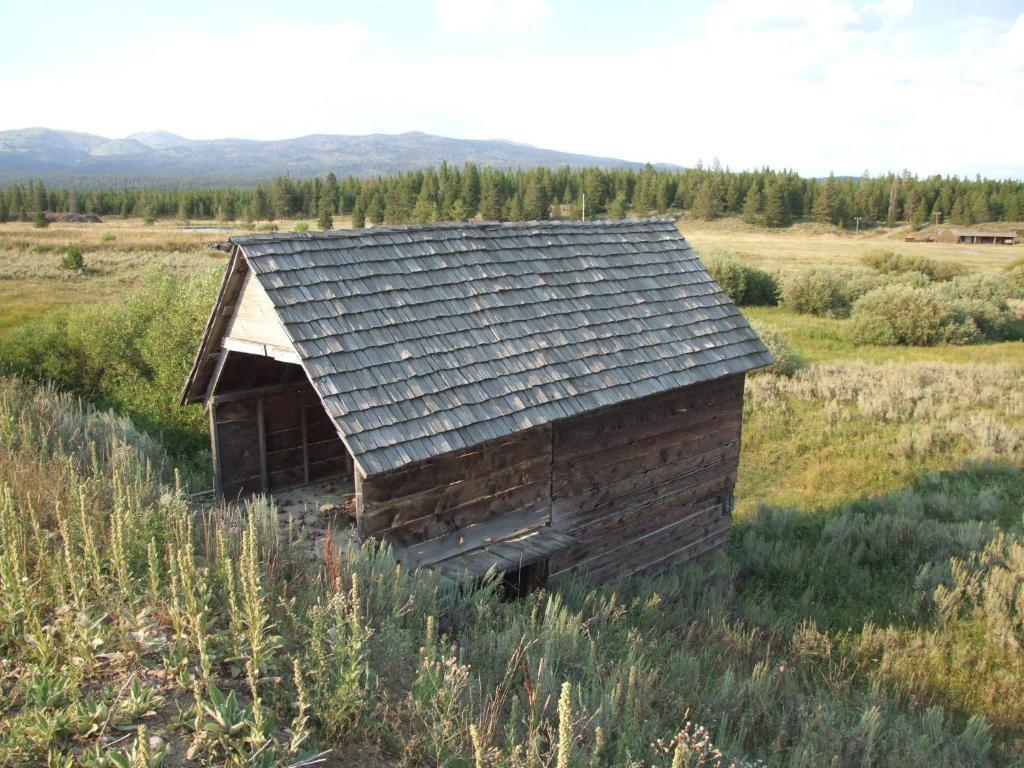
{"points": [[508, 554], [255, 320], [436, 497], [647, 484]]}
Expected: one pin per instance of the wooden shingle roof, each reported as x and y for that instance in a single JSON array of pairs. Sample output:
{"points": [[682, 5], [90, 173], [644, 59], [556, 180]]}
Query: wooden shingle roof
{"points": [[426, 340]]}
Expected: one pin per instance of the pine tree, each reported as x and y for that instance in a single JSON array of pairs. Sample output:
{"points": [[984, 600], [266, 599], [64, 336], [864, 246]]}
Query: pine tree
{"points": [[359, 212], [514, 209], [329, 195], [470, 191], [753, 204], [617, 207], [536, 202], [4, 212], [490, 199], [39, 198], [328, 204], [774, 206], [979, 207], [375, 210], [594, 188], [705, 205], [825, 202], [72, 202], [1012, 207]]}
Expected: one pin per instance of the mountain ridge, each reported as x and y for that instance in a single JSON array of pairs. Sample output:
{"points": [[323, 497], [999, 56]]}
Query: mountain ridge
{"points": [[147, 156]]}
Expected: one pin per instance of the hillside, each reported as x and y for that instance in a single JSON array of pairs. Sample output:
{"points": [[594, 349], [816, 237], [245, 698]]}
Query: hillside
{"points": [[158, 155]]}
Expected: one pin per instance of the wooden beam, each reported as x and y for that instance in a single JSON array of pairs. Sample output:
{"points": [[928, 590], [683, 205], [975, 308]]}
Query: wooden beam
{"points": [[359, 477], [215, 449], [264, 350], [262, 430], [218, 369], [303, 423], [246, 394]]}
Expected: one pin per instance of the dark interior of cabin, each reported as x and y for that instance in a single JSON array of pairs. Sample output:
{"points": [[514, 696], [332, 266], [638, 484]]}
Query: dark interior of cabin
{"points": [[269, 430]]}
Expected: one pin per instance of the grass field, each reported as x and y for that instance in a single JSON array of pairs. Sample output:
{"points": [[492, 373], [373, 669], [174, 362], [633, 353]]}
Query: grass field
{"points": [[812, 245], [870, 611]]}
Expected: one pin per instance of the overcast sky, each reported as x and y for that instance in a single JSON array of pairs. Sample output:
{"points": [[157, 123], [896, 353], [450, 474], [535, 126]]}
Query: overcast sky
{"points": [[814, 85]]}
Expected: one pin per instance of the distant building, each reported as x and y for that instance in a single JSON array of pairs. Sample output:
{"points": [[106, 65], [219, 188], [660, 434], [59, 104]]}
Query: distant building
{"points": [[975, 237]]}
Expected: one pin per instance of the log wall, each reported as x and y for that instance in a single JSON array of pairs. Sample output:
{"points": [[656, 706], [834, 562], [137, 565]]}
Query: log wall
{"points": [[505, 478], [641, 485], [647, 483]]}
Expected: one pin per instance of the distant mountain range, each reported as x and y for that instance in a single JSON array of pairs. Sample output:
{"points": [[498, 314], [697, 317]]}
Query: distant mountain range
{"points": [[159, 156]]}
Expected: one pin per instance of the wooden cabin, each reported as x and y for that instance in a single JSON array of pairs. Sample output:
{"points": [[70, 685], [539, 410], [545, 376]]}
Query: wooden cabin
{"points": [[563, 397], [975, 237]]}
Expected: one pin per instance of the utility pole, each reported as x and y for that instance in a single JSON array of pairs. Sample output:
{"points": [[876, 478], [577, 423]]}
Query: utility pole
{"points": [[857, 219], [938, 218], [584, 206]]}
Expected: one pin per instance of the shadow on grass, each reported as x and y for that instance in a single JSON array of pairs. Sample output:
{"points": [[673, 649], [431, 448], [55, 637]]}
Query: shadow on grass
{"points": [[874, 559]]}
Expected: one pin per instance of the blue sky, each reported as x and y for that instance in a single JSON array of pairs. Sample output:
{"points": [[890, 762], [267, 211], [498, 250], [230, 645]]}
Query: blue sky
{"points": [[815, 85]]}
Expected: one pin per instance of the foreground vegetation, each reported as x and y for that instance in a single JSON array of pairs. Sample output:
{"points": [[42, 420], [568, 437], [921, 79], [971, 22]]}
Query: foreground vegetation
{"points": [[886, 630]]}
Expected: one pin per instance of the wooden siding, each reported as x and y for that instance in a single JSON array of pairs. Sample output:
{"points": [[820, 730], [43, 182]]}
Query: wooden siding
{"points": [[649, 483], [254, 322], [640, 486], [428, 501], [273, 439]]}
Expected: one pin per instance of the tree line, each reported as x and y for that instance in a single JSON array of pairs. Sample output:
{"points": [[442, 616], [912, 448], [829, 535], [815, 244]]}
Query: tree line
{"points": [[763, 197]]}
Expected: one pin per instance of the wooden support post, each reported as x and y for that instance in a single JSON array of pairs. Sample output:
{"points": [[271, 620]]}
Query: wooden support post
{"points": [[358, 481], [305, 435], [218, 490], [261, 428]]}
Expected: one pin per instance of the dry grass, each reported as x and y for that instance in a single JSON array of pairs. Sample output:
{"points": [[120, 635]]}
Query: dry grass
{"points": [[814, 245]]}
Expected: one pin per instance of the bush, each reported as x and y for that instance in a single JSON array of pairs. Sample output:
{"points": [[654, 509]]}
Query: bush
{"points": [[981, 300], [135, 355], [786, 360], [888, 262], [40, 221], [300, 226], [747, 286], [902, 314], [72, 259], [1015, 279], [815, 292]]}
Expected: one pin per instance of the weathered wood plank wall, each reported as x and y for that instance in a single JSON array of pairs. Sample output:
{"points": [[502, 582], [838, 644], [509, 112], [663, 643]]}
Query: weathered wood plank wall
{"points": [[647, 483], [297, 443], [641, 485], [433, 498]]}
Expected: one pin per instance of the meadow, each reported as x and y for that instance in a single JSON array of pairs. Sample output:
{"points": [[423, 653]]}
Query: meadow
{"points": [[870, 610]]}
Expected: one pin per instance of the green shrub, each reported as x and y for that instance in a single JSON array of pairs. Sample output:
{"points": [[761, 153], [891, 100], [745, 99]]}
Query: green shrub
{"points": [[981, 300], [40, 221], [107, 237], [902, 314], [747, 286], [135, 355], [300, 226], [72, 259], [815, 292], [267, 228], [888, 262], [786, 360]]}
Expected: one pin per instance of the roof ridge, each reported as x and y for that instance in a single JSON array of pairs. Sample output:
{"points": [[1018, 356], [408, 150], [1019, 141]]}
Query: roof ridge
{"points": [[446, 226]]}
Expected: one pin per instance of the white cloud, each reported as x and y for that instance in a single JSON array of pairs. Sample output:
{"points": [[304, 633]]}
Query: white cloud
{"points": [[465, 15], [815, 86]]}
